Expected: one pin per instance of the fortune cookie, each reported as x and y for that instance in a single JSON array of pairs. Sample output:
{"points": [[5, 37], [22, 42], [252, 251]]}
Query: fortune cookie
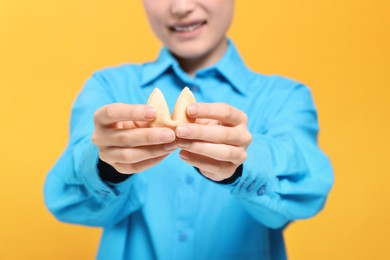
{"points": [[179, 114]]}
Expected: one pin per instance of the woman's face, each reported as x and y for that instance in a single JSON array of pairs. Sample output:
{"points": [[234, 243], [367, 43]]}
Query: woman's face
{"points": [[191, 29]]}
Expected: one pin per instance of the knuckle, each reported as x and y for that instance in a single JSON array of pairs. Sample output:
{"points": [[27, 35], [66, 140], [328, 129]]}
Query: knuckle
{"points": [[243, 157], [232, 169], [227, 111], [123, 169], [103, 156], [109, 112], [97, 115], [248, 139], [231, 155], [137, 167], [230, 111], [244, 137], [208, 174], [134, 168], [124, 156], [244, 118], [226, 170], [118, 168], [219, 177], [95, 138], [237, 156]]}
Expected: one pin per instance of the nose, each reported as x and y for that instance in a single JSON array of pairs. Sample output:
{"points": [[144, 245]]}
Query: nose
{"points": [[182, 8]]}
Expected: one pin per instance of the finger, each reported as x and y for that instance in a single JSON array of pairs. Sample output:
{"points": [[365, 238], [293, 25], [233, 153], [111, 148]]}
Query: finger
{"points": [[113, 113], [220, 152], [206, 121], [134, 137], [217, 170], [137, 167], [135, 155], [228, 115], [215, 133]]}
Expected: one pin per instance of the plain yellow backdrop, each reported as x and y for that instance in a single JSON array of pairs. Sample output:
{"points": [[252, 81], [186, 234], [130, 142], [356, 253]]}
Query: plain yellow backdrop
{"points": [[341, 49]]}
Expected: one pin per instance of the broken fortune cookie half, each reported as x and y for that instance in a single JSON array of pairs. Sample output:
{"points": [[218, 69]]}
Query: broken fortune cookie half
{"points": [[179, 114]]}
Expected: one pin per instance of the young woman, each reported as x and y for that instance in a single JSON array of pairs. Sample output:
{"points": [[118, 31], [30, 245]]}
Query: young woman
{"points": [[223, 187]]}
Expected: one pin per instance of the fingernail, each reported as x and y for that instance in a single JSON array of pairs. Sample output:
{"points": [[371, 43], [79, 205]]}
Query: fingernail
{"points": [[167, 135], [183, 131], [149, 112], [170, 147], [192, 110]]}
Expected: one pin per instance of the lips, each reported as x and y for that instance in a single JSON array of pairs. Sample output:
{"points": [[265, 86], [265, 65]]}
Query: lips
{"points": [[186, 27]]}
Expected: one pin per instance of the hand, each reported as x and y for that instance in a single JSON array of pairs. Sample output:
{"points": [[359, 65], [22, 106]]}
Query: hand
{"points": [[126, 142], [217, 142]]}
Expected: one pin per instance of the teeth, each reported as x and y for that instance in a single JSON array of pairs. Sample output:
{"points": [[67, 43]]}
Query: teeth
{"points": [[188, 28]]}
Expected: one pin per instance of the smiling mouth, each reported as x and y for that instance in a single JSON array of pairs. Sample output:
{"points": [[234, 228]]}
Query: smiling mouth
{"points": [[186, 27]]}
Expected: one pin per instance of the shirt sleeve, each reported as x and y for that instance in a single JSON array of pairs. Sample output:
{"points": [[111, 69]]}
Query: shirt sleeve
{"points": [[286, 175], [74, 192]]}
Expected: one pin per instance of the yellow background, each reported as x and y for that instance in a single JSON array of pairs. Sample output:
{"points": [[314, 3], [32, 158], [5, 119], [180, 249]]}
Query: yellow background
{"points": [[341, 49]]}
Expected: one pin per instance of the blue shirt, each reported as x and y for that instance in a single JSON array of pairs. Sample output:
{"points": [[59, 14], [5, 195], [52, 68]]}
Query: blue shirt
{"points": [[171, 211]]}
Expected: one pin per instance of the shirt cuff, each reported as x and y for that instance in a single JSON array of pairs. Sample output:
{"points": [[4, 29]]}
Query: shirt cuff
{"points": [[237, 174], [86, 161], [109, 174]]}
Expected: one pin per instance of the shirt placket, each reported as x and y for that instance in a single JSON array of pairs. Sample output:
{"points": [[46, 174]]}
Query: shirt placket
{"points": [[186, 208]]}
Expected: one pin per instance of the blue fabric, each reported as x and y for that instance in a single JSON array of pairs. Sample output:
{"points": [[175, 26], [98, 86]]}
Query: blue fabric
{"points": [[171, 211]]}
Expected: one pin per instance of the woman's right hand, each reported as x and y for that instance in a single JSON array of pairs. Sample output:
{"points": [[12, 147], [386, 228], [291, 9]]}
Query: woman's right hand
{"points": [[126, 141]]}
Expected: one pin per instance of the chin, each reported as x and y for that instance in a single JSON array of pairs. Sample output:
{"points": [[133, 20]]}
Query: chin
{"points": [[190, 55], [189, 52]]}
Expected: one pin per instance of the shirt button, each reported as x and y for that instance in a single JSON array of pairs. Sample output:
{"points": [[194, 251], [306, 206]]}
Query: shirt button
{"points": [[250, 186], [195, 88], [261, 190], [189, 179], [182, 237]]}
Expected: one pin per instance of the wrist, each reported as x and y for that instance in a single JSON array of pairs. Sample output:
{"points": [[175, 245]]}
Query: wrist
{"points": [[237, 174], [109, 174]]}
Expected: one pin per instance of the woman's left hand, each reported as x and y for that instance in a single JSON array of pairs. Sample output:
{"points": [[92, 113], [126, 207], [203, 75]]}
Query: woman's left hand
{"points": [[216, 144]]}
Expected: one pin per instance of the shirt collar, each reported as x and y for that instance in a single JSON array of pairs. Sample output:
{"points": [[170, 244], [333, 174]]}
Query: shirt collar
{"points": [[233, 69], [153, 70], [230, 66]]}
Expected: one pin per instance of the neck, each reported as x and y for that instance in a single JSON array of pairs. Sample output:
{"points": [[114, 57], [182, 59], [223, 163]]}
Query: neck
{"points": [[193, 64]]}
